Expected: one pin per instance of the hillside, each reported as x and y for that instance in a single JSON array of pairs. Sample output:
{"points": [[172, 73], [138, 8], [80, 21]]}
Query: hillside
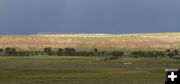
{"points": [[90, 41]]}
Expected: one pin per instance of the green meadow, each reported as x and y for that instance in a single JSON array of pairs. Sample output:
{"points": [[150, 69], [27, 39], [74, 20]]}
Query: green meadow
{"points": [[84, 70]]}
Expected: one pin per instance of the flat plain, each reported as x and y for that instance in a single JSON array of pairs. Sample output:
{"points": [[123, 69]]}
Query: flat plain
{"points": [[83, 70]]}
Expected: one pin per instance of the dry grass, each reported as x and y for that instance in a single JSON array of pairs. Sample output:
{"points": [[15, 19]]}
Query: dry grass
{"points": [[90, 41]]}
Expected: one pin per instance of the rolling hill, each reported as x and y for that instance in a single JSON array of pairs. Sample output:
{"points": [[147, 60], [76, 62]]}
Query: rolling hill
{"points": [[91, 41]]}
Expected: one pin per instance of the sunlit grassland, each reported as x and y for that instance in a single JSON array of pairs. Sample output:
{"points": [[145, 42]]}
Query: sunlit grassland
{"points": [[83, 70], [108, 42]]}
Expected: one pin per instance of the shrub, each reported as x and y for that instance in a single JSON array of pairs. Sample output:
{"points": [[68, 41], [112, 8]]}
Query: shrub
{"points": [[95, 50], [117, 53], [60, 52]]}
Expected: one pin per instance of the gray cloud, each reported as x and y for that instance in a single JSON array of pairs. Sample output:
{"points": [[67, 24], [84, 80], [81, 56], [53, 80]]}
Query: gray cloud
{"points": [[89, 16]]}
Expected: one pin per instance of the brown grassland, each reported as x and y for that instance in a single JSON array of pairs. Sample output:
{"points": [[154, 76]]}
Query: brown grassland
{"points": [[90, 41]]}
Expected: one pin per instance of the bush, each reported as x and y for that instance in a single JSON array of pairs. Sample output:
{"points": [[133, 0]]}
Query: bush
{"points": [[60, 52], [95, 50], [70, 51], [1, 50], [117, 53], [47, 50]]}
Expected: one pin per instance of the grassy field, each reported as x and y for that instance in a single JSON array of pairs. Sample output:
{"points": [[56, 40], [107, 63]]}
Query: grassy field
{"points": [[87, 70], [83, 70], [90, 41]]}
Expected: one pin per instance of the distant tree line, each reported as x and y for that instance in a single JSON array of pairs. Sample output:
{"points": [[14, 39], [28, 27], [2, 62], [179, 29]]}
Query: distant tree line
{"points": [[73, 52], [168, 52], [49, 52]]}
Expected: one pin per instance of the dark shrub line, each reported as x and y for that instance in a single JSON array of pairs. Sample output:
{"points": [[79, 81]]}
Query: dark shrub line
{"points": [[168, 52], [72, 52]]}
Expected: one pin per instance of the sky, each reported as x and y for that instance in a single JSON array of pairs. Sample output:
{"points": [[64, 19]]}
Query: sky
{"points": [[26, 17]]}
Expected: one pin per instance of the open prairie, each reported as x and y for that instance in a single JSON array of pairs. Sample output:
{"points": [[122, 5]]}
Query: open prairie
{"points": [[83, 70], [90, 41], [62, 69]]}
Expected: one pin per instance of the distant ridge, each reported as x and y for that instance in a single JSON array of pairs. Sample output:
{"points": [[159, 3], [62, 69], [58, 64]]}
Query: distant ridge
{"points": [[55, 33], [83, 41]]}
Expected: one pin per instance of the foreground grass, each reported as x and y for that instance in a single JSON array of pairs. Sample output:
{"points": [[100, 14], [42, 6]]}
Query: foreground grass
{"points": [[83, 70]]}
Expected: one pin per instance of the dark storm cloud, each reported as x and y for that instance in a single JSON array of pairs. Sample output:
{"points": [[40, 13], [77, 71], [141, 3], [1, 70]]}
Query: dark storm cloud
{"points": [[89, 16]]}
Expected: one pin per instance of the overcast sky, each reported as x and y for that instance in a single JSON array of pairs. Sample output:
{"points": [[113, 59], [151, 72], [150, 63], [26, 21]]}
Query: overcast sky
{"points": [[89, 16]]}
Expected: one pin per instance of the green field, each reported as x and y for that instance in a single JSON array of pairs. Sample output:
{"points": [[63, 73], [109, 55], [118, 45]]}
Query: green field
{"points": [[83, 70]]}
